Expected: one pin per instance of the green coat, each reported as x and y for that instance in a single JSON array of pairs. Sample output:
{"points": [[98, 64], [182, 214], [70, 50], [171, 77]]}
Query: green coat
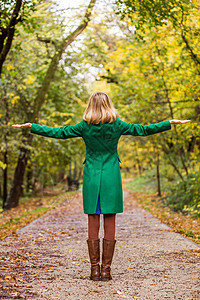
{"points": [[101, 165]]}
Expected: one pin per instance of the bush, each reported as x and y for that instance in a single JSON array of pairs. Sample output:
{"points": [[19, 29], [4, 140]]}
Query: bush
{"points": [[185, 195]]}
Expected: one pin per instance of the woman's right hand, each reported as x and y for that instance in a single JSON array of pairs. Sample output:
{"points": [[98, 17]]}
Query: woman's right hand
{"points": [[179, 121], [26, 125]]}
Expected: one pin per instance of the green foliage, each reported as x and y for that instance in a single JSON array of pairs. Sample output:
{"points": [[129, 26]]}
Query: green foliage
{"points": [[185, 195], [154, 12], [23, 74]]}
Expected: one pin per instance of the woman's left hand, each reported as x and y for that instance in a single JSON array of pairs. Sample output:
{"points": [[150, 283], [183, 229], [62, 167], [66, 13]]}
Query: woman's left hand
{"points": [[26, 125], [179, 121]]}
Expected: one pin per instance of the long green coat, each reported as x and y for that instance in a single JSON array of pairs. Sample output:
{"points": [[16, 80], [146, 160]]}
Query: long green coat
{"points": [[101, 172]]}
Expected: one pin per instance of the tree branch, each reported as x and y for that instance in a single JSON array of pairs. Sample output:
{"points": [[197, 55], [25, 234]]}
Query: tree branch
{"points": [[71, 37], [193, 55], [10, 34], [45, 40], [60, 48]]}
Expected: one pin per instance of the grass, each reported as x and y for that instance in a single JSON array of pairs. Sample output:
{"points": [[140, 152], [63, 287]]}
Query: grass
{"points": [[147, 183], [142, 183], [144, 191]]}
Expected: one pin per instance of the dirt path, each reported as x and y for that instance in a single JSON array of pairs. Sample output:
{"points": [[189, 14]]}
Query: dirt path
{"points": [[48, 259]]}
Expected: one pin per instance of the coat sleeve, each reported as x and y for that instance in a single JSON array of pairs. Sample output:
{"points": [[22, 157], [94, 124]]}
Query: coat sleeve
{"points": [[65, 132], [143, 130]]}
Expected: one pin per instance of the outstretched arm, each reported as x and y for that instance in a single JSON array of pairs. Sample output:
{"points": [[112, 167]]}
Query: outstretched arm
{"points": [[144, 130], [64, 132]]}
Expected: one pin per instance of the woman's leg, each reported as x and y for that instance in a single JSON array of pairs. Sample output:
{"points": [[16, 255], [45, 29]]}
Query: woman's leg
{"points": [[108, 246], [109, 226], [94, 245], [93, 226]]}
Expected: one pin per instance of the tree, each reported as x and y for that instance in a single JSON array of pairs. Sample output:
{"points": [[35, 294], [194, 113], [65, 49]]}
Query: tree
{"points": [[60, 47], [12, 13], [180, 14]]}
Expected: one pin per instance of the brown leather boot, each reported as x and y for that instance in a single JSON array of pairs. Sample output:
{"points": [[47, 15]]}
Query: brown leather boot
{"points": [[107, 255], [94, 254]]}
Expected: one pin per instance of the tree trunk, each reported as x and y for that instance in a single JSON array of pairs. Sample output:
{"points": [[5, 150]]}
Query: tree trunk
{"points": [[29, 175], [158, 175], [5, 178], [139, 167], [69, 177], [5, 171], [8, 34], [166, 151], [75, 171], [16, 189]]}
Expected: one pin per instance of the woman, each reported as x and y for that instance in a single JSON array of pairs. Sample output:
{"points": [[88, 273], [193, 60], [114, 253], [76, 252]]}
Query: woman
{"points": [[101, 129]]}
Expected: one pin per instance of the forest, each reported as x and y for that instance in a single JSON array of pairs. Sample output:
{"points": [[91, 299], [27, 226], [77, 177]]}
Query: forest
{"points": [[145, 56]]}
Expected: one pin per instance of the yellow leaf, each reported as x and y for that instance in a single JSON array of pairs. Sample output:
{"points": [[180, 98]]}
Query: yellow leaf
{"points": [[29, 79], [7, 277], [9, 67], [14, 99]]}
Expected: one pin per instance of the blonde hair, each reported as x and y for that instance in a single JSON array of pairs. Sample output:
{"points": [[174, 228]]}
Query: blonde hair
{"points": [[100, 109]]}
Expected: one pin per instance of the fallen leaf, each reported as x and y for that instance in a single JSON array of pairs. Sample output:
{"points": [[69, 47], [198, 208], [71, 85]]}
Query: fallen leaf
{"points": [[119, 293]]}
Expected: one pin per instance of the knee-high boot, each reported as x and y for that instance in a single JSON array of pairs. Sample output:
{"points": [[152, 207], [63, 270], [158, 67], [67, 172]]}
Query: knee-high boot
{"points": [[94, 254], [107, 255]]}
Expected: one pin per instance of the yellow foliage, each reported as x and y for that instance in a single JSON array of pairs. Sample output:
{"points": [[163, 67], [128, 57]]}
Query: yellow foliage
{"points": [[14, 99], [9, 67], [101, 85], [2, 165], [30, 79], [83, 104], [61, 114]]}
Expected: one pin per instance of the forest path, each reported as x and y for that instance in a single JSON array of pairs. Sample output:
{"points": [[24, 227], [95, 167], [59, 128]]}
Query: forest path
{"points": [[48, 259]]}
